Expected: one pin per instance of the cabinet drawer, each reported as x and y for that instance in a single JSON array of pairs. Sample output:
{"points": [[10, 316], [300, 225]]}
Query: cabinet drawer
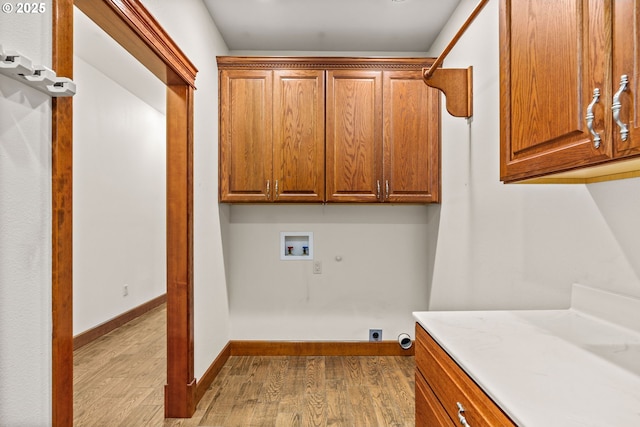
{"points": [[429, 411], [451, 385]]}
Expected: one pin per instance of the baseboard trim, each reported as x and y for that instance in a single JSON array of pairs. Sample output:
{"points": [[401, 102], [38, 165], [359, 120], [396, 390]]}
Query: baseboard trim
{"points": [[205, 381], [318, 348], [86, 337]]}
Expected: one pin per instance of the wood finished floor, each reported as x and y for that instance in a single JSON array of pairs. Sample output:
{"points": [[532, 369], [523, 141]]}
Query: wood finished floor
{"points": [[119, 381]]}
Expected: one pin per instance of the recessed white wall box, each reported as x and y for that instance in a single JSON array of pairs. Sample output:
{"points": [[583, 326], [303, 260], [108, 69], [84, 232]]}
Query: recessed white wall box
{"points": [[296, 245]]}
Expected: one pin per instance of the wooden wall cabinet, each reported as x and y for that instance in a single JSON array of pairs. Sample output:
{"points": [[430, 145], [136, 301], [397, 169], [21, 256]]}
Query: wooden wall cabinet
{"points": [[383, 137], [354, 135], [372, 136], [271, 136], [553, 56], [443, 388]]}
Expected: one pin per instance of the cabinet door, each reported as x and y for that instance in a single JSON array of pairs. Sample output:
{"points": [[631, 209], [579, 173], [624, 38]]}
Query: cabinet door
{"points": [[411, 109], [626, 54], [245, 136], [354, 136], [553, 54], [298, 135]]}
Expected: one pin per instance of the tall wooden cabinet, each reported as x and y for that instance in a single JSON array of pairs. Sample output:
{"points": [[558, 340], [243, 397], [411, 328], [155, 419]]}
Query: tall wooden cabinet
{"points": [[560, 81], [271, 135], [305, 129]]}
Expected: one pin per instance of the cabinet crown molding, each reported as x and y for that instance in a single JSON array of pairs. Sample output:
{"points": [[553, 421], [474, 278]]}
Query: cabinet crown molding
{"points": [[323, 62]]}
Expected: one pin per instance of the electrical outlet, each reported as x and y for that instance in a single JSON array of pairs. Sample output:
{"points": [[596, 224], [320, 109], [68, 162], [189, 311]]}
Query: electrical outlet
{"points": [[375, 334], [317, 267], [125, 290]]}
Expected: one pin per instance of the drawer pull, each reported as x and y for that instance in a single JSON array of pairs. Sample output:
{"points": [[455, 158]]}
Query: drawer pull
{"points": [[268, 189], [463, 420], [378, 189], [617, 106], [590, 116]]}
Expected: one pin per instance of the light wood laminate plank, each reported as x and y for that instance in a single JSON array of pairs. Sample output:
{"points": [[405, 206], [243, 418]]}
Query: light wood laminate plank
{"points": [[126, 369]]}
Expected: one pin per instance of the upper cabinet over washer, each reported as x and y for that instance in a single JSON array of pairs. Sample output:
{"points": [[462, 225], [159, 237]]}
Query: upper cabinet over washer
{"points": [[327, 129], [383, 137], [568, 89]]}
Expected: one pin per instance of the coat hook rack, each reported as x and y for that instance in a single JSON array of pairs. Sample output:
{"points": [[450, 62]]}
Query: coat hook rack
{"points": [[20, 68], [455, 83]]}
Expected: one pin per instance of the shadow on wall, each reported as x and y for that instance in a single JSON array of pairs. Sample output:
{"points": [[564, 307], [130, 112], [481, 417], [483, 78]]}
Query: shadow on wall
{"points": [[433, 221], [619, 204]]}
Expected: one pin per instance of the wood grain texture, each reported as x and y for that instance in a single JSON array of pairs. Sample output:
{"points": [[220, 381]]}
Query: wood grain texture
{"points": [[383, 137], [450, 384], [318, 348], [213, 371], [322, 62], [125, 369], [134, 28], [411, 145], [354, 136], [429, 411], [104, 328], [309, 391], [62, 221], [180, 391], [131, 25], [246, 139], [626, 55], [552, 57], [271, 136], [457, 86], [316, 145], [298, 136]]}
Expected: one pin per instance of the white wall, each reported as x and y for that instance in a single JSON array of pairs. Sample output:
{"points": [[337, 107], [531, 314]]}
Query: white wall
{"points": [[381, 279], [189, 24], [518, 246], [119, 197], [25, 230]]}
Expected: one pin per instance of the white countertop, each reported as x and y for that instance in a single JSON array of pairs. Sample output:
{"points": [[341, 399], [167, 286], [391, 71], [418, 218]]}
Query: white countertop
{"points": [[573, 367]]}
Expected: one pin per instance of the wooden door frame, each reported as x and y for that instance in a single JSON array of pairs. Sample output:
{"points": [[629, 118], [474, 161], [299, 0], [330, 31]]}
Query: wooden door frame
{"points": [[131, 25]]}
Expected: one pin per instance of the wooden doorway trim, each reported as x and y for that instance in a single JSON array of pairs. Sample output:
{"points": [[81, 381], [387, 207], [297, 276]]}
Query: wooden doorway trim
{"points": [[131, 25]]}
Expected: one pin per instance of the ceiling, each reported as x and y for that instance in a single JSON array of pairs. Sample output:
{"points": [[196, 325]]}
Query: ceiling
{"points": [[330, 25], [377, 26]]}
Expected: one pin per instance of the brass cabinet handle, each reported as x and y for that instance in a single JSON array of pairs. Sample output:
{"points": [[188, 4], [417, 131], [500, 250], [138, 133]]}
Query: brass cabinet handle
{"points": [[277, 195], [378, 189], [463, 420], [617, 106], [386, 188], [268, 189], [590, 116]]}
